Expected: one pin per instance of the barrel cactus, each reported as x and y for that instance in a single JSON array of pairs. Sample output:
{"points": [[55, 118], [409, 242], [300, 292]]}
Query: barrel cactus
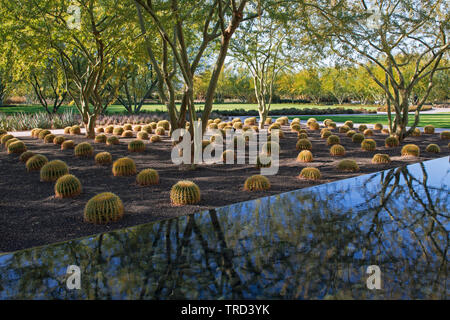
{"points": [[326, 134], [185, 192], [43, 133], [349, 124], [163, 124], [52, 170], [155, 138], [257, 183], [137, 128], [228, 156], [35, 163], [295, 127], [142, 135], [59, 140], [410, 150], [381, 158], [67, 186], [344, 129], [68, 145], [302, 135], [17, 147], [348, 165], [111, 141], [160, 131], [147, 177], [391, 142], [127, 127], [127, 134], [303, 144], [350, 133], [136, 146], [263, 161], [310, 174], [362, 128], [124, 167], [103, 158], [271, 147], [25, 156], [368, 133], [428, 129], [84, 149], [109, 129], [75, 130], [445, 135], [99, 130], [385, 131], [305, 156], [378, 126], [67, 130], [104, 208], [332, 140], [9, 141], [147, 128], [368, 145], [326, 122], [337, 150], [357, 138], [314, 126], [433, 148], [118, 131], [6, 137], [49, 138], [416, 132], [332, 125], [101, 138]]}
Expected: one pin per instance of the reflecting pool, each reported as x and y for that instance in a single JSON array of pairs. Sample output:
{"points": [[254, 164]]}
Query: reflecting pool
{"points": [[313, 243]]}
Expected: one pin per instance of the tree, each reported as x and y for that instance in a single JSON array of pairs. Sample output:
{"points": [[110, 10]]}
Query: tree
{"points": [[337, 82], [261, 46], [393, 35]]}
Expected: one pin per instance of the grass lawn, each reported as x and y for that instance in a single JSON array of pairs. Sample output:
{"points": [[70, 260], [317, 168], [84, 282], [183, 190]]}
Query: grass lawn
{"points": [[438, 120], [223, 107]]}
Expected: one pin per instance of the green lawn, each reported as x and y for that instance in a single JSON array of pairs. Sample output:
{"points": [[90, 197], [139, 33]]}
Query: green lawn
{"points": [[438, 120], [219, 107]]}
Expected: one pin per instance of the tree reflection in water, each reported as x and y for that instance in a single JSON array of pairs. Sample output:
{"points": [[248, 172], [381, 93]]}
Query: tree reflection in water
{"points": [[309, 244]]}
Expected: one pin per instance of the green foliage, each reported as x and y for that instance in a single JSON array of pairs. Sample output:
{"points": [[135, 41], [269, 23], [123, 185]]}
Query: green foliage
{"points": [[25, 156], [348, 165], [67, 145], [305, 156], [51, 171], [391, 142], [84, 149], [433, 148], [303, 144], [410, 150], [257, 183], [185, 193], [147, 177], [103, 158], [124, 167], [67, 186], [381, 158], [35, 163], [357, 138], [136, 146], [368, 145], [333, 139], [17, 147], [310, 174], [337, 150], [104, 208]]}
